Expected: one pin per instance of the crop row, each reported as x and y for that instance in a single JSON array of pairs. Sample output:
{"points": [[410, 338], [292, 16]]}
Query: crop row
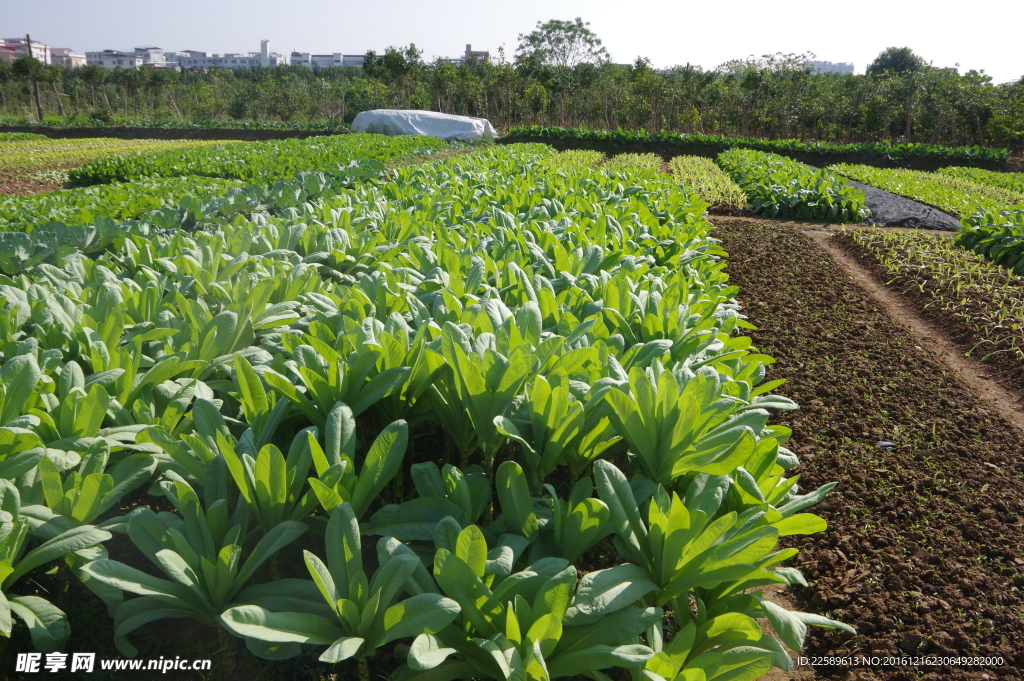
{"points": [[271, 373], [1011, 181], [122, 201], [710, 182], [992, 214], [256, 162], [165, 203], [697, 173], [651, 161], [20, 136], [956, 195], [777, 186], [174, 124], [25, 156], [997, 234], [885, 150], [982, 295], [174, 202]]}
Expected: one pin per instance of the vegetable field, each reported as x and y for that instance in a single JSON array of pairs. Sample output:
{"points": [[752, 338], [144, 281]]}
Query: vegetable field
{"points": [[28, 155], [31, 163], [503, 415], [263, 162]]}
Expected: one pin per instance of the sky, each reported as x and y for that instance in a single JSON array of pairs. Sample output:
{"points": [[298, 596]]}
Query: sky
{"points": [[982, 36]]}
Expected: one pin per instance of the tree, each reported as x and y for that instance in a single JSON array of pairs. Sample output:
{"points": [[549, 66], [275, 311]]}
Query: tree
{"points": [[5, 75], [54, 74], [561, 43], [94, 75], [395, 64], [896, 61], [29, 68], [907, 69]]}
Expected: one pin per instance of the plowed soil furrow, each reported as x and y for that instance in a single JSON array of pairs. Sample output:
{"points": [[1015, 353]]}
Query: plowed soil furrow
{"points": [[923, 554]]}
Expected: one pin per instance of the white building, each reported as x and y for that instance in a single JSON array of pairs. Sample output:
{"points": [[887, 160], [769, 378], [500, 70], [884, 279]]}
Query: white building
{"points": [[63, 56], [323, 61], [113, 59], [39, 50], [151, 56], [194, 59], [844, 67]]}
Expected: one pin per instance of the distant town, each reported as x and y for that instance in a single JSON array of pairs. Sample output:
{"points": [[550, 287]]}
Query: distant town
{"points": [[157, 58]]}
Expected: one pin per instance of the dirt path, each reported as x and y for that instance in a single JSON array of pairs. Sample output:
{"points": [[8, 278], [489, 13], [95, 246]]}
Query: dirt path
{"points": [[923, 552], [977, 376]]}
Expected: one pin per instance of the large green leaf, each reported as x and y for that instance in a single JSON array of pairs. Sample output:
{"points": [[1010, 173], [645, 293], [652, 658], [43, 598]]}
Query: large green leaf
{"points": [[47, 624], [599, 657], [279, 627], [20, 375], [67, 542], [423, 614], [381, 464], [514, 496]]}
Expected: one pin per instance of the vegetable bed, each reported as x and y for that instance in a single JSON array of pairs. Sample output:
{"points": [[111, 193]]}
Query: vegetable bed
{"points": [[779, 187], [955, 195], [976, 302], [522, 384], [884, 150], [711, 183], [256, 162], [29, 155]]}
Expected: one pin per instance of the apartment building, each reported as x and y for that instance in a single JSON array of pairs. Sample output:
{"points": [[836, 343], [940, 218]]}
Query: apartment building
{"points": [[64, 56], [323, 61], [38, 49], [113, 59], [476, 55], [194, 59]]}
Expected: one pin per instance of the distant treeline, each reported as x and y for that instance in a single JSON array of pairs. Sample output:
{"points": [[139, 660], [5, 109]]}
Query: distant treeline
{"points": [[773, 97]]}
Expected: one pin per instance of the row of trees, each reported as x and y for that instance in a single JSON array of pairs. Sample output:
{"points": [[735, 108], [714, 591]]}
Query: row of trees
{"points": [[560, 75]]}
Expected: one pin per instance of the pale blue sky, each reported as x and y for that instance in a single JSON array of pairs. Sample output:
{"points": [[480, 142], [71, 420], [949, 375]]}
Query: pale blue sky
{"points": [[978, 35]]}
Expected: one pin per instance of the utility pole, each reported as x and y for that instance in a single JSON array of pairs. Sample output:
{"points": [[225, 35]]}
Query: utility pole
{"points": [[35, 80]]}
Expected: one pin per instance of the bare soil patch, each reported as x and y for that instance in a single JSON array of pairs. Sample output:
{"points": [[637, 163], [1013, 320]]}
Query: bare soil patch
{"points": [[14, 184]]}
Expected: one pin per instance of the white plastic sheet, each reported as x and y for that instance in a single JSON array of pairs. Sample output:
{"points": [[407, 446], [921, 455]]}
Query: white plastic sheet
{"points": [[411, 122]]}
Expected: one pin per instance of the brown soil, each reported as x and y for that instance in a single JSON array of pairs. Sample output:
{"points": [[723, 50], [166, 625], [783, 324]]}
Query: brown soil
{"points": [[13, 184], [923, 552]]}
